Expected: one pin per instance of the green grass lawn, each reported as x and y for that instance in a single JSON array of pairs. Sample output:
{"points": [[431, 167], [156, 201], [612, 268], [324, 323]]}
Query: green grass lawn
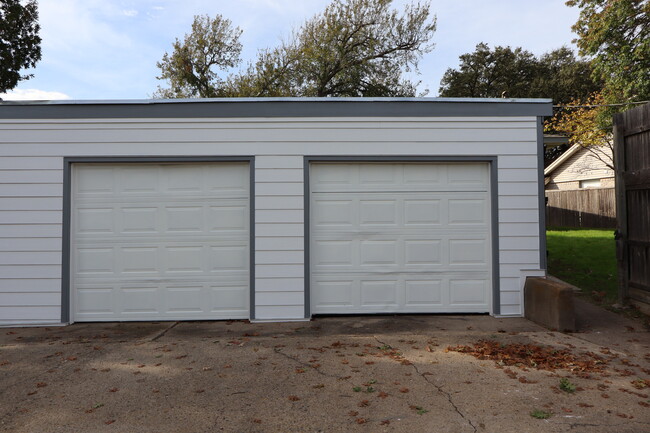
{"points": [[585, 258]]}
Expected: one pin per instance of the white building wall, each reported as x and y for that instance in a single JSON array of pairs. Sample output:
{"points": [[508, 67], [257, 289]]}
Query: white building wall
{"points": [[31, 178]]}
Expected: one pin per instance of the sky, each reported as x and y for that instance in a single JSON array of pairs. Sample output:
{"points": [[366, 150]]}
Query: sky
{"points": [[108, 49]]}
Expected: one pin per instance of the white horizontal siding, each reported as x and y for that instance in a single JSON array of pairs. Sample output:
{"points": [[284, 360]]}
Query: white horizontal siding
{"points": [[31, 162], [30, 258], [30, 244], [279, 175], [280, 216], [279, 243], [31, 185], [30, 189], [31, 176], [24, 285], [70, 138], [279, 312], [21, 217], [31, 203], [279, 228], [280, 285]]}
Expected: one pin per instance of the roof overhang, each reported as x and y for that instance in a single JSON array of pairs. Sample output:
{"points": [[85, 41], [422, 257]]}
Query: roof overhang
{"points": [[276, 107], [558, 162]]}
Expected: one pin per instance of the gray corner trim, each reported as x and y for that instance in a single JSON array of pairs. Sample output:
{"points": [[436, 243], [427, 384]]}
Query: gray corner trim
{"points": [[542, 195], [65, 247], [307, 228], [494, 209], [251, 241], [276, 107], [67, 210], [496, 261]]}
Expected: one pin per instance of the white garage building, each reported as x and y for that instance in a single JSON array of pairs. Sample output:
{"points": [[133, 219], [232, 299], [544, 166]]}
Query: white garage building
{"points": [[268, 209]]}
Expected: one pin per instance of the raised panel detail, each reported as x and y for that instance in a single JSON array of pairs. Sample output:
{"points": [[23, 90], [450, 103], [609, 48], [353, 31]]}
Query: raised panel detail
{"points": [[402, 238], [164, 241]]}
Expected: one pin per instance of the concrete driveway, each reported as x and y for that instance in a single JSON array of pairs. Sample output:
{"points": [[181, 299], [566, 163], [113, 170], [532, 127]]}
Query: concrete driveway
{"points": [[370, 374]]}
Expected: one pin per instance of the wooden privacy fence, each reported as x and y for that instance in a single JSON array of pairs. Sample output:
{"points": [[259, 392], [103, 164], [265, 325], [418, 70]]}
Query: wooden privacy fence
{"points": [[586, 208], [632, 158]]}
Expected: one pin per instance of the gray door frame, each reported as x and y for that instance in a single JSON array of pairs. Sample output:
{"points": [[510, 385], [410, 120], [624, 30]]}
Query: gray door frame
{"points": [[68, 162], [492, 161]]}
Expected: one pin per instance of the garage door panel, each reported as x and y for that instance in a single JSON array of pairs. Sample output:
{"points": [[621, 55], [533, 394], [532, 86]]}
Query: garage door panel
{"points": [[468, 252], [423, 252], [334, 211], [94, 221], [335, 295], [377, 212], [424, 293], [422, 212], [381, 294], [409, 177], [378, 252], [413, 238], [468, 211], [332, 252], [95, 261], [140, 260], [160, 241], [467, 292], [184, 219]]}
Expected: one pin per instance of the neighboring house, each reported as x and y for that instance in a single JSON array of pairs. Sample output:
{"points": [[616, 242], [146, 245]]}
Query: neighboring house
{"points": [[269, 209], [580, 168]]}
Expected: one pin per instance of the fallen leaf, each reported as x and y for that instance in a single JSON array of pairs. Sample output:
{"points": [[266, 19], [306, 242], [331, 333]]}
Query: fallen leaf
{"points": [[113, 390], [385, 422], [41, 385], [353, 413], [361, 420], [363, 403], [109, 422], [404, 390], [293, 398]]}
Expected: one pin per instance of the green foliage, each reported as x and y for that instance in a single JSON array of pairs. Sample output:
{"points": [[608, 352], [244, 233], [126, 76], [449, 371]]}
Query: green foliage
{"points": [[190, 69], [20, 44], [567, 386], [353, 48], [540, 414], [582, 122], [586, 259], [616, 34], [517, 73]]}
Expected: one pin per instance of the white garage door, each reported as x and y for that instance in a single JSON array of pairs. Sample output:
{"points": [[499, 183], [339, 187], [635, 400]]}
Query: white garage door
{"points": [[160, 241], [405, 238]]}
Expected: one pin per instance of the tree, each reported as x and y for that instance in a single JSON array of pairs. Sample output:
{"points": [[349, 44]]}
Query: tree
{"points": [[190, 69], [616, 34], [517, 73], [489, 73], [353, 48], [580, 121], [20, 44]]}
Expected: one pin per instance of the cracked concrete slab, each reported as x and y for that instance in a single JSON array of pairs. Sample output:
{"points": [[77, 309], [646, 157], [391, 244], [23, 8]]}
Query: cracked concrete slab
{"points": [[337, 374]]}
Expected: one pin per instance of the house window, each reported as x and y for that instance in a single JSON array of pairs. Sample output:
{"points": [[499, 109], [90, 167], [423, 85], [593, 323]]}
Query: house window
{"points": [[591, 183]]}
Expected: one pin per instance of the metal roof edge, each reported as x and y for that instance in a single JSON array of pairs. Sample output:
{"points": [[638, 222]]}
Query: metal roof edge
{"points": [[275, 107]]}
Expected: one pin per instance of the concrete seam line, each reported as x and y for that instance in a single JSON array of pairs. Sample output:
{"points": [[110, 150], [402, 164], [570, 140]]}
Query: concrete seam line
{"points": [[440, 390], [164, 331]]}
